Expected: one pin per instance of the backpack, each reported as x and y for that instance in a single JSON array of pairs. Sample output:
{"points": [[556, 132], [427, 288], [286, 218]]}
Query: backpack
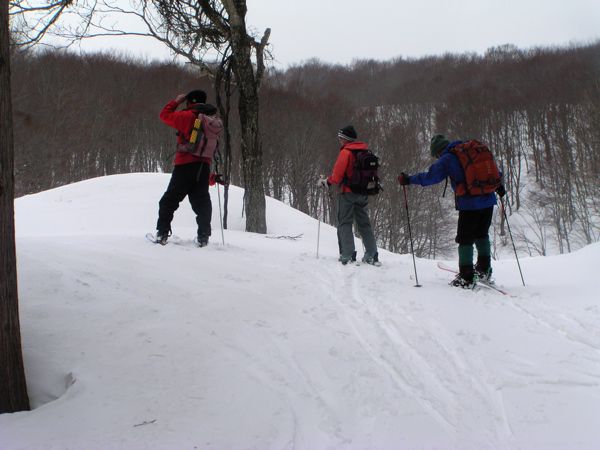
{"points": [[364, 179], [204, 138], [481, 172]]}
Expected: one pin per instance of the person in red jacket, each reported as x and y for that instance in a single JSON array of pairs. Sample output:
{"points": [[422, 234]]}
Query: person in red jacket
{"points": [[351, 207], [191, 173]]}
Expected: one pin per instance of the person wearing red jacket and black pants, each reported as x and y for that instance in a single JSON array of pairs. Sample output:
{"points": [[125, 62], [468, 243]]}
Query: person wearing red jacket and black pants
{"points": [[191, 173], [352, 207]]}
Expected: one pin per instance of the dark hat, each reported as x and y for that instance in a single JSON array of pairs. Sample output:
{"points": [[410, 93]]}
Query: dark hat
{"points": [[197, 96], [348, 133], [438, 144]]}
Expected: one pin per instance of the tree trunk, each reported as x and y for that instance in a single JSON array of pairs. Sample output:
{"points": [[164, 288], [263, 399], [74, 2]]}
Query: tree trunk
{"points": [[248, 109], [252, 166], [223, 82], [13, 389]]}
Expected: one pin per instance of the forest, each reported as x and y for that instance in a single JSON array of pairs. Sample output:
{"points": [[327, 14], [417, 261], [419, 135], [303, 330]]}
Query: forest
{"points": [[83, 116]]}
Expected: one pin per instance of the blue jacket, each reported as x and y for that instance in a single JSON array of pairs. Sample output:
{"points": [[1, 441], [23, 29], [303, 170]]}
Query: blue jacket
{"points": [[448, 165]]}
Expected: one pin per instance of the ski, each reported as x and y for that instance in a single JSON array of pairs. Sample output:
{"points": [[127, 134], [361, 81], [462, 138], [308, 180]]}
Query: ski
{"points": [[481, 283]]}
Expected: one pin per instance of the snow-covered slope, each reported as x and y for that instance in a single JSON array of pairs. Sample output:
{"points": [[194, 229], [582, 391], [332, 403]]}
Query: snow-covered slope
{"points": [[259, 344]]}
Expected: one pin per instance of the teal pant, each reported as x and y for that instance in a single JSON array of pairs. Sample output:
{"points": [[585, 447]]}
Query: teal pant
{"points": [[353, 208], [473, 229]]}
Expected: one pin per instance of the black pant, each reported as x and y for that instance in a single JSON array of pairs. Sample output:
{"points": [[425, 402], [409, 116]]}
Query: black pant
{"points": [[191, 180], [473, 225]]}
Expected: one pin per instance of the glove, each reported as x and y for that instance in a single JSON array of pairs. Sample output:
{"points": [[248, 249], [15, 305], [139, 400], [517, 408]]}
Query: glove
{"points": [[215, 178], [323, 182], [501, 191], [220, 178], [403, 179]]}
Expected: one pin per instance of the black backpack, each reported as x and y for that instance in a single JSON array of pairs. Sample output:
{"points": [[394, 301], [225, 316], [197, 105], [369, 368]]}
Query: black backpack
{"points": [[364, 179]]}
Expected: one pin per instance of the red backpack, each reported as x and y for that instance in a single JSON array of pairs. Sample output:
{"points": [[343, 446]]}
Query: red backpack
{"points": [[481, 172]]}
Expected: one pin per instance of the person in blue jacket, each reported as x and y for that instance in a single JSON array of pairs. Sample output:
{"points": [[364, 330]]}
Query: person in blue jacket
{"points": [[474, 212]]}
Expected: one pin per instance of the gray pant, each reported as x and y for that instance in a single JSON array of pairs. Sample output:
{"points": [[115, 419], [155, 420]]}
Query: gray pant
{"points": [[353, 207]]}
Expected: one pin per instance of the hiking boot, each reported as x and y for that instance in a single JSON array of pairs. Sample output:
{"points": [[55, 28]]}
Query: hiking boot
{"points": [[373, 260], [202, 241], [352, 258], [484, 275], [345, 260], [162, 237], [461, 282]]}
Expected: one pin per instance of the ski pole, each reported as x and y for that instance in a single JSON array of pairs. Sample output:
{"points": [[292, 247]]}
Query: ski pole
{"points": [[511, 239], [410, 236], [319, 226], [220, 214]]}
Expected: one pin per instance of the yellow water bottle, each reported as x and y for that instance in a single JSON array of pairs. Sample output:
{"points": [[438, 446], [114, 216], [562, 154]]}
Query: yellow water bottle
{"points": [[194, 135]]}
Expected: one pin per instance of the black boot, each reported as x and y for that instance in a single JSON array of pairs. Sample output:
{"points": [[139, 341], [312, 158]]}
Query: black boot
{"points": [[464, 278], [202, 241], [483, 268], [162, 236]]}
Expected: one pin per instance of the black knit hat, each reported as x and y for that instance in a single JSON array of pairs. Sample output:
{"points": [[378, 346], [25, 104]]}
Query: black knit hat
{"points": [[348, 133], [438, 144], [197, 96]]}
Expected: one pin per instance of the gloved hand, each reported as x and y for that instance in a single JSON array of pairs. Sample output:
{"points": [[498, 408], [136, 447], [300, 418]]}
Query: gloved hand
{"points": [[323, 182], [403, 179], [214, 178], [220, 178], [501, 191]]}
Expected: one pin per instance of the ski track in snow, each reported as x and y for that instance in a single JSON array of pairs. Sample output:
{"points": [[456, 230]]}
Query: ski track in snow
{"points": [[420, 362]]}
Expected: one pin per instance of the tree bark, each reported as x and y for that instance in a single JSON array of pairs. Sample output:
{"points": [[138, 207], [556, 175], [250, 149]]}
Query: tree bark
{"points": [[248, 110], [13, 388]]}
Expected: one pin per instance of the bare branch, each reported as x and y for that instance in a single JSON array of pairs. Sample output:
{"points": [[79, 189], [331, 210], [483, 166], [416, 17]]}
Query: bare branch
{"points": [[36, 20], [260, 51]]}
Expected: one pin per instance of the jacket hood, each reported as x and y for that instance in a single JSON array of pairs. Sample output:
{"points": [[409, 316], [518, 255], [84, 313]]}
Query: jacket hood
{"points": [[449, 147], [355, 145], [203, 108]]}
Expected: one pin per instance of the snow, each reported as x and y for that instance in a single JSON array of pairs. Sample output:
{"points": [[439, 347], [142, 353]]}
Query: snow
{"points": [[259, 344]]}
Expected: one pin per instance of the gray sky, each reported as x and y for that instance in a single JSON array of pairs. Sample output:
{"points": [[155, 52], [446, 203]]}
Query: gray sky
{"points": [[339, 31]]}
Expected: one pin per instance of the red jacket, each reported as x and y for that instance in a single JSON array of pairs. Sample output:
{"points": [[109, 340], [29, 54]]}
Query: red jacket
{"points": [[344, 164], [183, 122]]}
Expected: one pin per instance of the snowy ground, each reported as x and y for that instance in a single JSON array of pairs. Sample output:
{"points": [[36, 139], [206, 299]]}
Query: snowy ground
{"points": [[260, 345]]}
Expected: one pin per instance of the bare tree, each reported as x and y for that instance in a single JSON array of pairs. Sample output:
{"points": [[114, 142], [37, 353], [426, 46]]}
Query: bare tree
{"points": [[13, 387], [210, 34], [31, 21]]}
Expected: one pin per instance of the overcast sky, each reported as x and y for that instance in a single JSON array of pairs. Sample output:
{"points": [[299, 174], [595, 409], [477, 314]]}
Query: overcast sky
{"points": [[339, 31]]}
